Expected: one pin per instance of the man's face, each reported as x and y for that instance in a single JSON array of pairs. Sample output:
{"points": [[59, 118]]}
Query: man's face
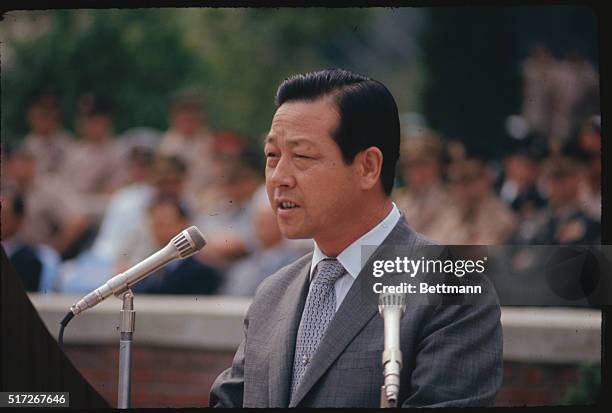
{"points": [[563, 190], [97, 128], [521, 169], [470, 191], [165, 222], [421, 173], [589, 140], [43, 121], [310, 188], [187, 121], [169, 184]]}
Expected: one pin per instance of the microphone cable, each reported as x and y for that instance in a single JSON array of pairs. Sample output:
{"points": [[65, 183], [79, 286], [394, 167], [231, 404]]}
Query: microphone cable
{"points": [[63, 324]]}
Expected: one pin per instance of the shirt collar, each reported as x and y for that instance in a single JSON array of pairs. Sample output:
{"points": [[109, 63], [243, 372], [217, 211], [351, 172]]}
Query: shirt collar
{"points": [[350, 257]]}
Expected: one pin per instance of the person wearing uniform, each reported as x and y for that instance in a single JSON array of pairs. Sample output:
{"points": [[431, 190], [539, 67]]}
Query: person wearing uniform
{"points": [[479, 216], [565, 221], [424, 201]]}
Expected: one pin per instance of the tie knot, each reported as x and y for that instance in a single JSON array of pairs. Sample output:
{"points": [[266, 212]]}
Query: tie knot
{"points": [[328, 271]]}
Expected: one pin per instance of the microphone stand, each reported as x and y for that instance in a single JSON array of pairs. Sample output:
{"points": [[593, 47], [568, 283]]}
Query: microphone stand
{"points": [[391, 360], [391, 308], [183, 245], [128, 319]]}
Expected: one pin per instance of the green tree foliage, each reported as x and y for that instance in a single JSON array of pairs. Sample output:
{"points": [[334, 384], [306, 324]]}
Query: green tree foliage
{"points": [[135, 58], [249, 51], [139, 58]]}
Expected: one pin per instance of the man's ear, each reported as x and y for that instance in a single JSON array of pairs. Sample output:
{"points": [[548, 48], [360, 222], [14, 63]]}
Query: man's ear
{"points": [[370, 166]]}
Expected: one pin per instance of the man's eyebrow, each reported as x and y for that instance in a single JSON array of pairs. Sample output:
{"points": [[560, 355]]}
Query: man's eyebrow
{"points": [[290, 142], [298, 141]]}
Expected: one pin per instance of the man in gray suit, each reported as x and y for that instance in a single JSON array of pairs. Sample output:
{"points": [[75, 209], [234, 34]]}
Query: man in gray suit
{"points": [[310, 338]]}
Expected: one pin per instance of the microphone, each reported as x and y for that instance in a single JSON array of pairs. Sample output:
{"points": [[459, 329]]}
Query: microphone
{"points": [[391, 308], [183, 245]]}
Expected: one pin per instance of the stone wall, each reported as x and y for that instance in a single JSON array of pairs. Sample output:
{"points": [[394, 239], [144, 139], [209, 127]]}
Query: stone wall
{"points": [[181, 344], [165, 377]]}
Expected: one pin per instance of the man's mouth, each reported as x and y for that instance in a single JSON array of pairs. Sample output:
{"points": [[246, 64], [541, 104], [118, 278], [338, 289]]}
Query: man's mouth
{"points": [[288, 205]]}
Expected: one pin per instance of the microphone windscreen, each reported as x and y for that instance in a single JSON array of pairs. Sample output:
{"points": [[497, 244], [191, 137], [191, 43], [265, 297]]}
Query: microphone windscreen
{"points": [[392, 299], [196, 237]]}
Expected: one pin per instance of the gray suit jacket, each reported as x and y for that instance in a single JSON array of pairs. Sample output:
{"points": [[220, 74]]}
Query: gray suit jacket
{"points": [[452, 353]]}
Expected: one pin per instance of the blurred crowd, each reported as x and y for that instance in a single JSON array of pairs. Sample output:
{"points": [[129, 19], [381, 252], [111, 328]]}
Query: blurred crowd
{"points": [[532, 196], [545, 190], [78, 209]]}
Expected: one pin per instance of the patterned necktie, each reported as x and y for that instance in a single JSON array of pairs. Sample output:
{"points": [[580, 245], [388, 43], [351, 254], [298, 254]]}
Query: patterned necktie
{"points": [[319, 309]]}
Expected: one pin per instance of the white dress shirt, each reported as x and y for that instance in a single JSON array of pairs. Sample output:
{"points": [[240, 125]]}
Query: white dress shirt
{"points": [[350, 257]]}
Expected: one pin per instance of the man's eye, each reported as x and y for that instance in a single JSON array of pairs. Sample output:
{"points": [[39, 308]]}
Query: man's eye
{"points": [[297, 155], [271, 155]]}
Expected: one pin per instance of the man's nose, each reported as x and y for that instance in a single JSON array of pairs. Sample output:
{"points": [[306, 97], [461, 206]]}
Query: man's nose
{"points": [[282, 175]]}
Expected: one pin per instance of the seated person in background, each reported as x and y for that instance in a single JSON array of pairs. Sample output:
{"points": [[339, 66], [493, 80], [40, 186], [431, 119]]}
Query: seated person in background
{"points": [[22, 255], [590, 194], [124, 238], [424, 200], [226, 221], [94, 168], [52, 213], [136, 241], [273, 252], [48, 142], [519, 189], [127, 205], [478, 216], [166, 218], [589, 148], [189, 139], [226, 147], [564, 221]]}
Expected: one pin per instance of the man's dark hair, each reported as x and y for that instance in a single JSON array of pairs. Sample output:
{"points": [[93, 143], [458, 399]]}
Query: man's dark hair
{"points": [[95, 105], [182, 209], [46, 97], [142, 155], [368, 113], [170, 165]]}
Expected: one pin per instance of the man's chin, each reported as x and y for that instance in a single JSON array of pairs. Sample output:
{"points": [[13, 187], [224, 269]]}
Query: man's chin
{"points": [[294, 233]]}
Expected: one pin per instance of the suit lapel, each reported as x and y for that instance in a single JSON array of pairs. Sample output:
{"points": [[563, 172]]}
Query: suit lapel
{"points": [[283, 347], [352, 315], [350, 318]]}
